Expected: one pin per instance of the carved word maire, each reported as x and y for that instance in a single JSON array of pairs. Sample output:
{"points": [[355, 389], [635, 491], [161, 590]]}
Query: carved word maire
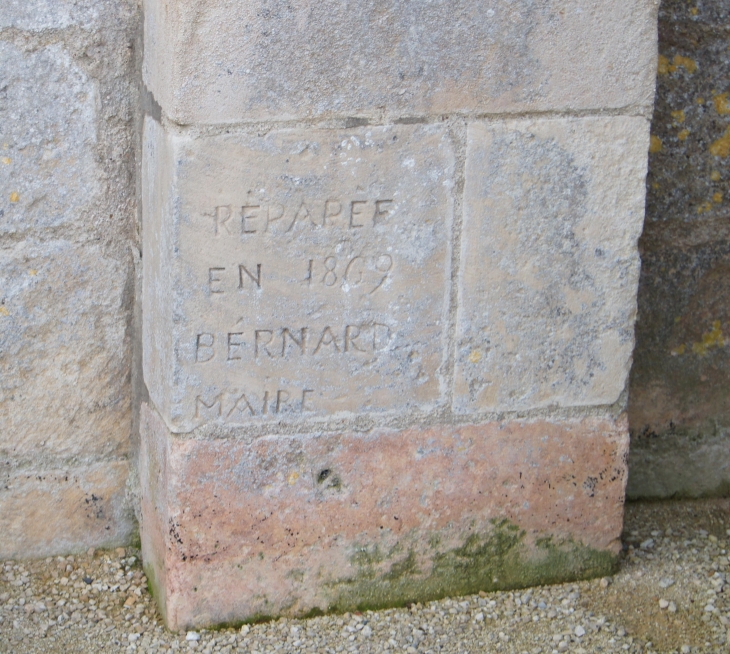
{"points": [[237, 405], [284, 342], [244, 220]]}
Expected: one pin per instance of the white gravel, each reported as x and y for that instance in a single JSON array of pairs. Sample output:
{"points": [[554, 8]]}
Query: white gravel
{"points": [[672, 594]]}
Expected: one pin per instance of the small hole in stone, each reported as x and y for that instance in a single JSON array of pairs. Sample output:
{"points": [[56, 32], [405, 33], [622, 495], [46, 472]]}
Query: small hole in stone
{"points": [[323, 475]]}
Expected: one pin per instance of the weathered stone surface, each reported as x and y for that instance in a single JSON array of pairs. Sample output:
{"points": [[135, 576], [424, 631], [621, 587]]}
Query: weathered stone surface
{"points": [[303, 273], [216, 61], [552, 212], [680, 462], [689, 171], [64, 353], [48, 510], [48, 170], [679, 407], [52, 14], [237, 529]]}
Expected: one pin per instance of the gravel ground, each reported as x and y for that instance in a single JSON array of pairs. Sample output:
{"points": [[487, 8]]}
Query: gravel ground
{"points": [[672, 594]]}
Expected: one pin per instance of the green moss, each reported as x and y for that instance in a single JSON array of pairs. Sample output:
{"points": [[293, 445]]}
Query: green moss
{"points": [[135, 540], [495, 560], [313, 613]]}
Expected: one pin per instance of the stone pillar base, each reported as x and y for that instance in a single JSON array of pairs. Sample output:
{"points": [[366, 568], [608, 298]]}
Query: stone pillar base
{"points": [[241, 529]]}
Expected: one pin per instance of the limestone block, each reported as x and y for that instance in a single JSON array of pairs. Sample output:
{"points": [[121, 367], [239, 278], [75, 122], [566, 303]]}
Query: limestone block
{"points": [[48, 172], [64, 369], [59, 510], [234, 528], [553, 209], [214, 61], [298, 274], [51, 14]]}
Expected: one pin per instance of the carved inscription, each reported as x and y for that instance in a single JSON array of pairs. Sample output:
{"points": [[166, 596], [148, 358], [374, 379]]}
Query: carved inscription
{"points": [[287, 342], [309, 274], [239, 405], [366, 273], [243, 220]]}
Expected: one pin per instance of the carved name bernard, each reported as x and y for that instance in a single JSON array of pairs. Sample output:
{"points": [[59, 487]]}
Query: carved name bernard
{"points": [[301, 273]]}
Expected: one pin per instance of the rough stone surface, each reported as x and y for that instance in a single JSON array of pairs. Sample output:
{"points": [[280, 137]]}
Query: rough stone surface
{"points": [[238, 528], [552, 213], [679, 410], [54, 14], [48, 168], [67, 209], [69, 509], [299, 274], [63, 382], [216, 61]]}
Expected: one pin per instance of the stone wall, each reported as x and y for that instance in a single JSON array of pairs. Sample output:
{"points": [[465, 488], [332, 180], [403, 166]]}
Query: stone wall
{"points": [[68, 245], [68, 98], [679, 401]]}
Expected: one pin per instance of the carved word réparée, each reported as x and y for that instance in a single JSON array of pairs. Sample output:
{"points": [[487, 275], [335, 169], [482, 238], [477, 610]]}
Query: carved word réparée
{"points": [[283, 342], [243, 220]]}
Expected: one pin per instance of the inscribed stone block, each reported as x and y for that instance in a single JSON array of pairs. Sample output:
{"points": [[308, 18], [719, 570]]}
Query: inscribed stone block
{"points": [[553, 209], [64, 349], [285, 525], [48, 172], [298, 274], [214, 61]]}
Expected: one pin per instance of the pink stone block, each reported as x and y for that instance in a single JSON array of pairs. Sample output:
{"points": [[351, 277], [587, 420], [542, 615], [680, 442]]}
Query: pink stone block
{"points": [[239, 529]]}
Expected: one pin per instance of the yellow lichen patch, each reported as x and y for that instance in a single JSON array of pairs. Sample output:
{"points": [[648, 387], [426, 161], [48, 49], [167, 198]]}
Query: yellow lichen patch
{"points": [[705, 207], [4, 311], [715, 175], [721, 147], [717, 197], [690, 65], [14, 197], [6, 160], [32, 272], [475, 356], [682, 136], [678, 116], [679, 351], [721, 104], [662, 65], [711, 339], [700, 100], [693, 11], [293, 478], [655, 144]]}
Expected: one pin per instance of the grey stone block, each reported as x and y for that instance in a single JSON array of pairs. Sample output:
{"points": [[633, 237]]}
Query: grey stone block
{"points": [[552, 213], [299, 274], [49, 174], [214, 61], [64, 353]]}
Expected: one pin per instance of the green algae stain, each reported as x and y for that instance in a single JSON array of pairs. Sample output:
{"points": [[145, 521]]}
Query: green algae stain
{"points": [[496, 560]]}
